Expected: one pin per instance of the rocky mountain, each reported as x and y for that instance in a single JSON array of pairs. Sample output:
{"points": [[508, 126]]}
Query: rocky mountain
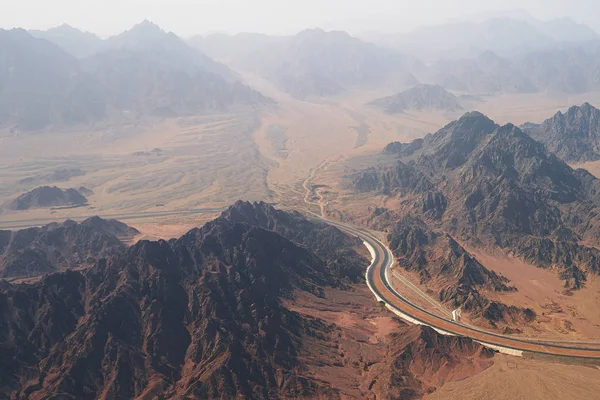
{"points": [[569, 69], [503, 189], [75, 42], [420, 97], [58, 247], [167, 49], [41, 84], [319, 63], [46, 197], [135, 83], [203, 316], [574, 136], [335, 248], [565, 69], [142, 72]]}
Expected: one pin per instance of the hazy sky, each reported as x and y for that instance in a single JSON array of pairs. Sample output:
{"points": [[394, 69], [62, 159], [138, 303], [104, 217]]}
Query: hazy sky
{"points": [[187, 17]]}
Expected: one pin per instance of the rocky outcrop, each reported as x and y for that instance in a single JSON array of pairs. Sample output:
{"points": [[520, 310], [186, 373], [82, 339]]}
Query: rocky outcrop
{"points": [[574, 136], [420, 97], [338, 250], [57, 247], [46, 197]]}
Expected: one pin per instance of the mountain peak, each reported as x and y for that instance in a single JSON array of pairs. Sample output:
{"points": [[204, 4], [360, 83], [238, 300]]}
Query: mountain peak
{"points": [[474, 116], [587, 108], [148, 24]]}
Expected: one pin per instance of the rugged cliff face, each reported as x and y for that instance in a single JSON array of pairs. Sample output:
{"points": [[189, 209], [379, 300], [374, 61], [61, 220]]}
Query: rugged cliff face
{"points": [[57, 247]]}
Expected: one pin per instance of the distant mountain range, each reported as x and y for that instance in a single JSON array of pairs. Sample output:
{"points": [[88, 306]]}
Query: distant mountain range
{"points": [[420, 97], [143, 71], [504, 56], [65, 77], [315, 62], [506, 36], [73, 41], [570, 69]]}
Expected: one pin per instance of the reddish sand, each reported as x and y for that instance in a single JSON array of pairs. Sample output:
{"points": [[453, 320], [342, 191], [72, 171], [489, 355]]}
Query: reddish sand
{"points": [[173, 228], [560, 316], [513, 378]]}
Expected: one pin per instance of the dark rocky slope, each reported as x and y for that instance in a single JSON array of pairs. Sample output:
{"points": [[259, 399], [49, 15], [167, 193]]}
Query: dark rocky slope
{"points": [[420, 97], [46, 197], [57, 247], [574, 136], [199, 317], [419, 360], [503, 189], [338, 250]]}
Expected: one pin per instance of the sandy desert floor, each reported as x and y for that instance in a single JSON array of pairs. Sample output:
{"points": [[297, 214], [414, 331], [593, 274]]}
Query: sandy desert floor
{"points": [[513, 378]]}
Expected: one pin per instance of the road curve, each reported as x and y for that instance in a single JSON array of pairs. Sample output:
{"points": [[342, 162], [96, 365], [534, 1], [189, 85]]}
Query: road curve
{"points": [[377, 279]]}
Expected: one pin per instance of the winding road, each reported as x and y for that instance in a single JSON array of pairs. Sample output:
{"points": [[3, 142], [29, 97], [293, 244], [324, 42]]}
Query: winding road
{"points": [[378, 279]]}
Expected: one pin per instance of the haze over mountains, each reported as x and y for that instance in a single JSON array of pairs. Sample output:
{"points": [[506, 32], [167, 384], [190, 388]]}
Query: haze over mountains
{"points": [[63, 76], [420, 97], [506, 36], [315, 59], [144, 71], [501, 55]]}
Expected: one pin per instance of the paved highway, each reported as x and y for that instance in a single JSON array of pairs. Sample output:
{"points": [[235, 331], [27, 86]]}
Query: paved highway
{"points": [[378, 280], [28, 223]]}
